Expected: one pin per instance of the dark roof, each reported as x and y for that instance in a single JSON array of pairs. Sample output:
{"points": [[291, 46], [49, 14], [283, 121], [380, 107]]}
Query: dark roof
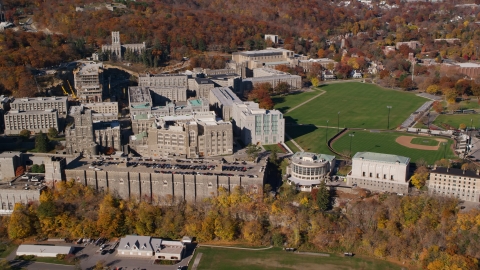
{"points": [[453, 171], [203, 81]]}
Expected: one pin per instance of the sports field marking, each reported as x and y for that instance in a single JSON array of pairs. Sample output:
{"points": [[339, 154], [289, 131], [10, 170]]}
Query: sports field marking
{"points": [[306, 101], [407, 142]]}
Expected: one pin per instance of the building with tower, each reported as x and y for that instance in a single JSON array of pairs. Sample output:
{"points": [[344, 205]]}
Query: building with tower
{"points": [[117, 49], [55, 169], [79, 136]]}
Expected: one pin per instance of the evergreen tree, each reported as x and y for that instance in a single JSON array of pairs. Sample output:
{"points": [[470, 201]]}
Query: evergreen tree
{"points": [[323, 197], [41, 142]]}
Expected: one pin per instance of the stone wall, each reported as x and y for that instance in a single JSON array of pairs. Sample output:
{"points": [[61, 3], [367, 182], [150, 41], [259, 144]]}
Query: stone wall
{"points": [[157, 186]]}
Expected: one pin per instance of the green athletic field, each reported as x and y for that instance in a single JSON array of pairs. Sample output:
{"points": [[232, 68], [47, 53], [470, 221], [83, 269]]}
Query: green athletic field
{"points": [[275, 258], [360, 106], [384, 142], [283, 103], [455, 120], [425, 141], [311, 138]]}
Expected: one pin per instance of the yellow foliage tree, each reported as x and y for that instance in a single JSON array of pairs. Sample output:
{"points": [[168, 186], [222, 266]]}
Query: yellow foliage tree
{"points": [[315, 81], [252, 231], [419, 178], [433, 89], [20, 225]]}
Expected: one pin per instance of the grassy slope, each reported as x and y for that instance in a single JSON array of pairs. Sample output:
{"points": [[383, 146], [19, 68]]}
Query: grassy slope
{"points": [[455, 120], [360, 105], [384, 142], [219, 259]]}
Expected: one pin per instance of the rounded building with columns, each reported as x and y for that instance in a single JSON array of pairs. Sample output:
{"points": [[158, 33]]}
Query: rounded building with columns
{"points": [[307, 170]]}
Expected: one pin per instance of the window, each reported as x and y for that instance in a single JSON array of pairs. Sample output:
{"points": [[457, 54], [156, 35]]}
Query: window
{"points": [[370, 174], [384, 176], [363, 173], [391, 177], [377, 175]]}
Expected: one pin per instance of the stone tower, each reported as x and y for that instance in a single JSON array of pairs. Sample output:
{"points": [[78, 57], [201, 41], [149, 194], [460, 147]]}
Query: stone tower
{"points": [[116, 45], [80, 136], [55, 169]]}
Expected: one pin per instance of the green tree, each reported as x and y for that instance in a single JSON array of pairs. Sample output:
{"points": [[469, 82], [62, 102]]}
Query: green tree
{"points": [[25, 134], [274, 157], [41, 142], [323, 197], [52, 133], [253, 151], [34, 168], [20, 225]]}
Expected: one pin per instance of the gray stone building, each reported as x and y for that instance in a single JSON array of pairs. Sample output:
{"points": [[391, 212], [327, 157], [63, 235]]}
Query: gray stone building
{"points": [[9, 161], [272, 76], [191, 136], [162, 95], [201, 86], [455, 183], [40, 104], [88, 78], [35, 121], [55, 169], [90, 137], [163, 80], [80, 136], [117, 49], [150, 184], [103, 107], [18, 191], [222, 99]]}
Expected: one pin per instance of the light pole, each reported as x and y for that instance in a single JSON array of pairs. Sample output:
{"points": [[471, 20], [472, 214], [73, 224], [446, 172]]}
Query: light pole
{"points": [[326, 133], [351, 137], [338, 122], [444, 149], [388, 123]]}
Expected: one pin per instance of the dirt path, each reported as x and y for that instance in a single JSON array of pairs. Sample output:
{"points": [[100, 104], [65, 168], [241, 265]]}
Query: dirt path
{"points": [[407, 142], [305, 102]]}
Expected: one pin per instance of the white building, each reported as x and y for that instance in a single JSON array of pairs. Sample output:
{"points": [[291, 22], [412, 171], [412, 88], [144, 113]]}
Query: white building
{"points": [[255, 125], [379, 172], [307, 170], [222, 100], [43, 250], [150, 248], [461, 184], [273, 38]]}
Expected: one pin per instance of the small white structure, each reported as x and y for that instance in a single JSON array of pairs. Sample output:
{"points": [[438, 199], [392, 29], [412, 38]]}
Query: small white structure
{"points": [[356, 74], [43, 250], [273, 38], [379, 172], [148, 247]]}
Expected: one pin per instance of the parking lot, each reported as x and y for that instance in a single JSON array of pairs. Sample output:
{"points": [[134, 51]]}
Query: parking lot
{"points": [[90, 254]]}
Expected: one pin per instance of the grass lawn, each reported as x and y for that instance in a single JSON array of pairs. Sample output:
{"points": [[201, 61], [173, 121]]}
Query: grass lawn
{"points": [[284, 103], [52, 260], [6, 249], [360, 106], [425, 141], [272, 147], [455, 120], [465, 104], [384, 142], [292, 146], [311, 138], [275, 258]]}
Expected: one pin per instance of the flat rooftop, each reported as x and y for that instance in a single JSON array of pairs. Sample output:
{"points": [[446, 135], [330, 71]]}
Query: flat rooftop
{"points": [[170, 166], [91, 68], [40, 99], [225, 96], [311, 158], [265, 52], [48, 111], [380, 157], [139, 94], [24, 184]]}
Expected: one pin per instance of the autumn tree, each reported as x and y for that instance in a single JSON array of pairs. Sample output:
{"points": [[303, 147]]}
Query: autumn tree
{"points": [[433, 89], [20, 225], [437, 106], [315, 82], [25, 134], [282, 88], [420, 177], [110, 218], [20, 170]]}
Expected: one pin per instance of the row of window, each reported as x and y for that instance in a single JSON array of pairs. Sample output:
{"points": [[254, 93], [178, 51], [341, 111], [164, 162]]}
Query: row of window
{"points": [[378, 175]]}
